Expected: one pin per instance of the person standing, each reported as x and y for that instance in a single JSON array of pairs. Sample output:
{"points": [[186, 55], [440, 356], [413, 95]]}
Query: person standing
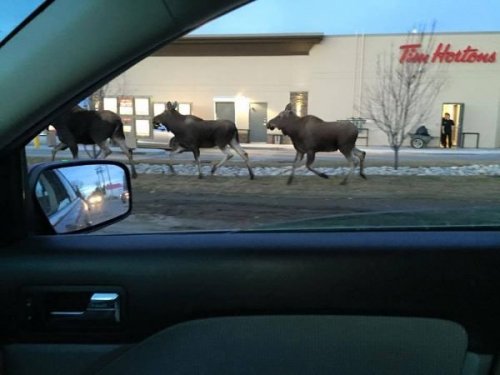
{"points": [[447, 125]]}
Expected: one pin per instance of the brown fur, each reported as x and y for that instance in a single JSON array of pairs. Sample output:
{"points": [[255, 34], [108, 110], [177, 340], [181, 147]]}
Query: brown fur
{"points": [[310, 134], [79, 126], [192, 133]]}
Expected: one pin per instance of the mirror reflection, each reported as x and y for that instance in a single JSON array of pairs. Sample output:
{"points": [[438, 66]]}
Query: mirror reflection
{"points": [[78, 197]]}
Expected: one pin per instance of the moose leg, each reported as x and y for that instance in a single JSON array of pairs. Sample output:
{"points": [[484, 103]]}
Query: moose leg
{"points": [[123, 146], [104, 148], [227, 155], [310, 159], [298, 158], [177, 150], [237, 147], [74, 150], [361, 155], [59, 147], [196, 154], [349, 155], [93, 154]]}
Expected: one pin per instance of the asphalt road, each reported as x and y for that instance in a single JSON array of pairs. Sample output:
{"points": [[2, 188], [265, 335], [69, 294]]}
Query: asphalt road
{"points": [[188, 203], [286, 153], [108, 209]]}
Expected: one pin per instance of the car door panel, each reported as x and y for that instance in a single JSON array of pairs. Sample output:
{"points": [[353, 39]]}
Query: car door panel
{"points": [[167, 279], [59, 359]]}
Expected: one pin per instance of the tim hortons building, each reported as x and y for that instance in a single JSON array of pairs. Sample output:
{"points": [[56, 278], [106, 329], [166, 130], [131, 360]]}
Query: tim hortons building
{"points": [[250, 79]]}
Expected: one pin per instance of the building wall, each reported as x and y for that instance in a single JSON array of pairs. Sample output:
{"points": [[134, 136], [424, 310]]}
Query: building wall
{"points": [[335, 74], [342, 66]]}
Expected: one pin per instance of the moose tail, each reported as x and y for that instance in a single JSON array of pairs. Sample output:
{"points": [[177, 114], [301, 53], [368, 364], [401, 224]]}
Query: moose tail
{"points": [[118, 132]]}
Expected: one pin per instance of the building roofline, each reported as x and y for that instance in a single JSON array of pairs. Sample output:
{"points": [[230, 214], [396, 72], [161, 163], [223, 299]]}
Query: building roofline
{"points": [[266, 44], [258, 35], [405, 34], [242, 45]]}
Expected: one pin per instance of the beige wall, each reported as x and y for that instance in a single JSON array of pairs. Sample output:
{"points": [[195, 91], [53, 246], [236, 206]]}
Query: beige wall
{"points": [[203, 80], [334, 74]]}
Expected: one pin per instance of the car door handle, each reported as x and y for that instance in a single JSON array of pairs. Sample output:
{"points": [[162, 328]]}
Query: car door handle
{"points": [[101, 307]]}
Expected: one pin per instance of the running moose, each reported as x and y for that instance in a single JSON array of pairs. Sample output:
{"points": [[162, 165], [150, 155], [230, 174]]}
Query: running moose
{"points": [[310, 134], [80, 126], [192, 133]]}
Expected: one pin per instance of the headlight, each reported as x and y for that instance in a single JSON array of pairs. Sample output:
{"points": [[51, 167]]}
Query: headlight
{"points": [[95, 199]]}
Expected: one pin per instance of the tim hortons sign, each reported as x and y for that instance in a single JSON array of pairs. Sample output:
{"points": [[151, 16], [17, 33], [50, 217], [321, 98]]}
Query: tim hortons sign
{"points": [[412, 53]]}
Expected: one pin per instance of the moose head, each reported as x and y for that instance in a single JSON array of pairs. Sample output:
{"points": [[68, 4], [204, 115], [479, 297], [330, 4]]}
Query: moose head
{"points": [[282, 119]]}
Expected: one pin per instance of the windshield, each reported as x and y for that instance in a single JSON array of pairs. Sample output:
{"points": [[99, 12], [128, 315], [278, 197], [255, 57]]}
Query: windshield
{"points": [[13, 12], [326, 115]]}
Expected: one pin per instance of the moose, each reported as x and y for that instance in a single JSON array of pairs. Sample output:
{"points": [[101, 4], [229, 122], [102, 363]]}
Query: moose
{"points": [[88, 127], [310, 134], [192, 133]]}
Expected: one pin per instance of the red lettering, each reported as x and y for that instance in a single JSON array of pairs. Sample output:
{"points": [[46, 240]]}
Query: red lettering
{"points": [[472, 57], [441, 54], [450, 56], [469, 51], [411, 54]]}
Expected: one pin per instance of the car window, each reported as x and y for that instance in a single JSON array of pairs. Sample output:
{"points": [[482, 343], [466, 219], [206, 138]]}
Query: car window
{"points": [[13, 12], [54, 191], [366, 116]]}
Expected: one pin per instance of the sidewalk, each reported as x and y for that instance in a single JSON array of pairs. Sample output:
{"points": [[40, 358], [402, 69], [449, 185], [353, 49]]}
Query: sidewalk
{"points": [[370, 149], [383, 149]]}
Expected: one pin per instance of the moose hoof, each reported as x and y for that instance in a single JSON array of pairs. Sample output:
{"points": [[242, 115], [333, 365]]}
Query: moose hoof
{"points": [[362, 175], [322, 175], [344, 182]]}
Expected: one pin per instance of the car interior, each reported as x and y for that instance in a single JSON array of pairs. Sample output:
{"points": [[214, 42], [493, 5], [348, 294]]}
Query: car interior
{"points": [[387, 301]]}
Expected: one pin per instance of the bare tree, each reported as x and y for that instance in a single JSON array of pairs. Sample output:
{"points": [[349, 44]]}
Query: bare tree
{"points": [[405, 89], [116, 87]]}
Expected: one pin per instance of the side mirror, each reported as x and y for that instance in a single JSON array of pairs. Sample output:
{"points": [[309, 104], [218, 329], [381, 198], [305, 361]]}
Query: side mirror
{"points": [[78, 196]]}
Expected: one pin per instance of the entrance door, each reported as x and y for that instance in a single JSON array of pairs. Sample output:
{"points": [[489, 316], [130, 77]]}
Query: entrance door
{"points": [[456, 111], [258, 120], [225, 111]]}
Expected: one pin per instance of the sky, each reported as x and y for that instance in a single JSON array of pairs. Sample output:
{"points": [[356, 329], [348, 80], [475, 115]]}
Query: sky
{"points": [[329, 17], [332, 17], [12, 12], [87, 173]]}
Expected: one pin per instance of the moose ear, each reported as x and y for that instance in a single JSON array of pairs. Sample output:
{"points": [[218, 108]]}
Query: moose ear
{"points": [[169, 106], [175, 105], [288, 107]]}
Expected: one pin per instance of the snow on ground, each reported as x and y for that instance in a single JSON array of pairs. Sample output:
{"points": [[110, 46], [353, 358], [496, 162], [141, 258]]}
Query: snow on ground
{"points": [[186, 170]]}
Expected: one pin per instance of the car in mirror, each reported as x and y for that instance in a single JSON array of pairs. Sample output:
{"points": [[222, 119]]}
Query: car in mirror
{"points": [[80, 196]]}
